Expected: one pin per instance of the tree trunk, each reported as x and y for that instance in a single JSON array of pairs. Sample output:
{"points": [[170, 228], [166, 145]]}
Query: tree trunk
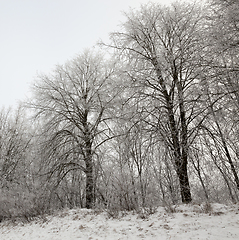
{"points": [[180, 157], [89, 166], [182, 171], [89, 184], [181, 160], [184, 181]]}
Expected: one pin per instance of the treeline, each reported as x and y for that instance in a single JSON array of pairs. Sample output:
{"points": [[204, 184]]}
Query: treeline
{"points": [[149, 119]]}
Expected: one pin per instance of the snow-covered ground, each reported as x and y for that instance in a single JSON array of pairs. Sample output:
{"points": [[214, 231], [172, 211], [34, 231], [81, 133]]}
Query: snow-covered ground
{"points": [[184, 222]]}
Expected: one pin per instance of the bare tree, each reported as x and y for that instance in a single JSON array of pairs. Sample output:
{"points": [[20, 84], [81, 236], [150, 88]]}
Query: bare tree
{"points": [[73, 105], [14, 144], [222, 85], [163, 46], [16, 169]]}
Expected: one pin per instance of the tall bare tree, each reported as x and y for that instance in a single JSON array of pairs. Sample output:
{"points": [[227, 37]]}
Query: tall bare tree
{"points": [[73, 104], [164, 48]]}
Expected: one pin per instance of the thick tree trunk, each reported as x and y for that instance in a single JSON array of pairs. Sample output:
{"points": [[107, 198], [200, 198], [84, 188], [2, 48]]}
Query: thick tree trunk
{"points": [[181, 160], [179, 147], [89, 184], [182, 171], [184, 182], [89, 166]]}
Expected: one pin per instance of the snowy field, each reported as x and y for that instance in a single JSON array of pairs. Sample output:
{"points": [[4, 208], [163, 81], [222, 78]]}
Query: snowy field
{"points": [[182, 222]]}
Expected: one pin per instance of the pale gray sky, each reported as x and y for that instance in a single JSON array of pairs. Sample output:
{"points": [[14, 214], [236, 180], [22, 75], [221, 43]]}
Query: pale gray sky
{"points": [[38, 34]]}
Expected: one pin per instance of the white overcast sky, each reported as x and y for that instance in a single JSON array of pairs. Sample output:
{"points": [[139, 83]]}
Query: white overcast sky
{"points": [[35, 35]]}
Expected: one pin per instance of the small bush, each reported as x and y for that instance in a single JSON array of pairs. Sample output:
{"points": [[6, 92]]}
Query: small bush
{"points": [[113, 212], [169, 208], [207, 207], [144, 213]]}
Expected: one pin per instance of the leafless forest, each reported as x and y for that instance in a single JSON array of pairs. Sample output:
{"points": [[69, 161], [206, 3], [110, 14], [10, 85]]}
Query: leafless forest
{"points": [[149, 119]]}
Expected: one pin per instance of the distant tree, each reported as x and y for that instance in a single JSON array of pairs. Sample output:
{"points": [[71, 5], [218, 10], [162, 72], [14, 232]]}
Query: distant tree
{"points": [[16, 164], [14, 145]]}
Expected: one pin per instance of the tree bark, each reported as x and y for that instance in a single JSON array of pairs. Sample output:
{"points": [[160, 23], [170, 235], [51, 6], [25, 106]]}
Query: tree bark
{"points": [[89, 184], [89, 166], [181, 158], [184, 181], [180, 149], [183, 175]]}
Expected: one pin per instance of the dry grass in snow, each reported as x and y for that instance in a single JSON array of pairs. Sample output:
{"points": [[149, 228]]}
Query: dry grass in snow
{"points": [[215, 221]]}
